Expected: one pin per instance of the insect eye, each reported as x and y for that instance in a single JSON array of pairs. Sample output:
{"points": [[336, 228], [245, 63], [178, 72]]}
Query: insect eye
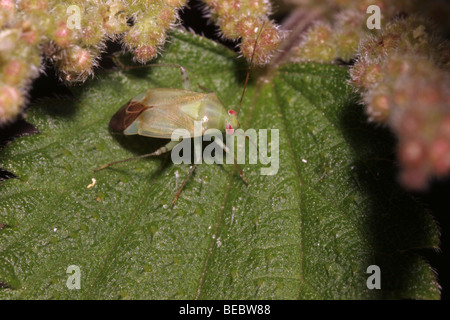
{"points": [[229, 129], [231, 112]]}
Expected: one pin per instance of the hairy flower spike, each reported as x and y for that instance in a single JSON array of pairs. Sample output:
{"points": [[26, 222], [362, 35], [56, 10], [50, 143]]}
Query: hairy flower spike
{"points": [[350, 26], [405, 89], [145, 53], [152, 20], [75, 63], [63, 35], [10, 102], [167, 17], [268, 41], [7, 11], [316, 45], [71, 34], [243, 19], [378, 104], [14, 72], [339, 39], [33, 5], [176, 3], [114, 16], [30, 33], [144, 39], [93, 32], [365, 74]]}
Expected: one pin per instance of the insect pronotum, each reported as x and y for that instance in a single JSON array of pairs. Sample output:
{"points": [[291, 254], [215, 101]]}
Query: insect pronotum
{"points": [[157, 112]]}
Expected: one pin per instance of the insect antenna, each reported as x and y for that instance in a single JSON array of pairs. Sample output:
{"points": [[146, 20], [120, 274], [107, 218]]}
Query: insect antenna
{"points": [[126, 160], [250, 67]]}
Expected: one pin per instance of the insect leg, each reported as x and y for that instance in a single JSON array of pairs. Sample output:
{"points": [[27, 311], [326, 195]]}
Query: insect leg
{"points": [[183, 184], [184, 75], [163, 149], [227, 150], [204, 89]]}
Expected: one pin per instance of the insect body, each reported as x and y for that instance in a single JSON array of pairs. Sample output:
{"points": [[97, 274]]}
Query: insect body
{"points": [[158, 112]]}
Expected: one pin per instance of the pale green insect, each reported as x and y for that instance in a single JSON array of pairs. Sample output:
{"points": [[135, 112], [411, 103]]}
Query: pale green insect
{"points": [[157, 112]]}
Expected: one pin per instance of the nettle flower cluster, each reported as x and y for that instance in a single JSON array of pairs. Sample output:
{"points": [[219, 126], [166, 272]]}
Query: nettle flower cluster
{"points": [[327, 41], [402, 72], [247, 20], [71, 35]]}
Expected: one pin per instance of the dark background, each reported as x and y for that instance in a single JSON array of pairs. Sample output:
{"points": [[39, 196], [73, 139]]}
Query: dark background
{"points": [[436, 199]]}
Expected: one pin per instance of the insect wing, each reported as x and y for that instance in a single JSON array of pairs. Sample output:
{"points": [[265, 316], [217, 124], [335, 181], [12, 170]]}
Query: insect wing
{"points": [[166, 96], [160, 122], [164, 110]]}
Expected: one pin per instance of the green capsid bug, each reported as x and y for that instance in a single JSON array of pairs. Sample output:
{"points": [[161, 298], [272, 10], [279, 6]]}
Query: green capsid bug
{"points": [[157, 112]]}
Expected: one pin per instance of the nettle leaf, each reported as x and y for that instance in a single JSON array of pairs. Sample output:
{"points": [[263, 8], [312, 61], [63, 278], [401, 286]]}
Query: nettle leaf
{"points": [[308, 232]]}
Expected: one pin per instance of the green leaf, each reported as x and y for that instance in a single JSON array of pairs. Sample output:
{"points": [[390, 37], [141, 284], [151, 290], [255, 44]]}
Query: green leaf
{"points": [[310, 231]]}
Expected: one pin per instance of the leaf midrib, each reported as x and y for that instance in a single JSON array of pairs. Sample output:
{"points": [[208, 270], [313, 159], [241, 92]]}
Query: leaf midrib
{"points": [[299, 185]]}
